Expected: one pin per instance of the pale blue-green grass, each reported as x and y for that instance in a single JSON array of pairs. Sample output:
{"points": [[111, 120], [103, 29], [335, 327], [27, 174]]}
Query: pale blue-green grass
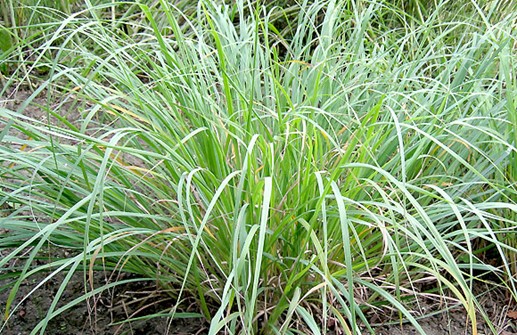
{"points": [[303, 180]]}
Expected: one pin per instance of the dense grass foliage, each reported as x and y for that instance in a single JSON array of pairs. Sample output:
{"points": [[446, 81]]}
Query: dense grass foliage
{"points": [[290, 173]]}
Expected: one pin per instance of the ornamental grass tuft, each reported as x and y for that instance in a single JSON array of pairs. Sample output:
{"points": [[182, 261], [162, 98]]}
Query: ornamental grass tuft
{"points": [[289, 173]]}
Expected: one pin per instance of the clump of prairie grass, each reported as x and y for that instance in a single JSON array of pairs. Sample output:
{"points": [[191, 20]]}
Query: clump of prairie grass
{"points": [[286, 184]]}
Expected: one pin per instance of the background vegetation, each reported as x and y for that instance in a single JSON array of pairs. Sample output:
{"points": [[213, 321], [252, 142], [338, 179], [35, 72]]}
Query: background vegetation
{"points": [[291, 168]]}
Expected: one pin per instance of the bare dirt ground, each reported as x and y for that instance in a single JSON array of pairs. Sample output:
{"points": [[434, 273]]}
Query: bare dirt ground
{"points": [[103, 314]]}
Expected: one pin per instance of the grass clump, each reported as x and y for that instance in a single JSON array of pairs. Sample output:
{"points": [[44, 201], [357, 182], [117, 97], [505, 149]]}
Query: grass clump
{"points": [[285, 183]]}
